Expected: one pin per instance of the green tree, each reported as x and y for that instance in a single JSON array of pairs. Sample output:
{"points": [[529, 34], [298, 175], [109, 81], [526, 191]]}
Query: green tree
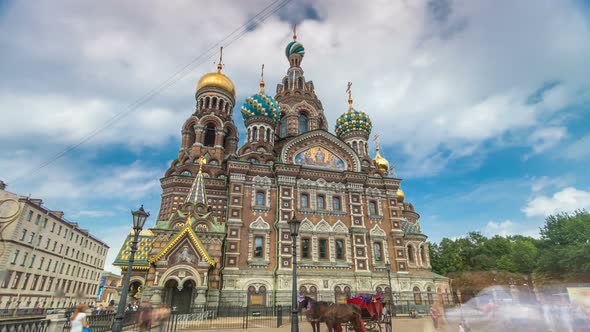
{"points": [[565, 244]]}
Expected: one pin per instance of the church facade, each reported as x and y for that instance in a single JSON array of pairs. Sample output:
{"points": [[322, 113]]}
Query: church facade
{"points": [[222, 235]]}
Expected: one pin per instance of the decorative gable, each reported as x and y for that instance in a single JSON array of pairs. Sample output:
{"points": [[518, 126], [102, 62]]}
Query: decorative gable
{"points": [[188, 234]]}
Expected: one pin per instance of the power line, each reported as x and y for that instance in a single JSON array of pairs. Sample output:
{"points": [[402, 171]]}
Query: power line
{"points": [[180, 73]]}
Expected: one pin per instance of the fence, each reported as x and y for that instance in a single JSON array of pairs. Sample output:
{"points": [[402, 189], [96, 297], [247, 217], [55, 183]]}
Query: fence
{"points": [[230, 318], [38, 325], [5, 313]]}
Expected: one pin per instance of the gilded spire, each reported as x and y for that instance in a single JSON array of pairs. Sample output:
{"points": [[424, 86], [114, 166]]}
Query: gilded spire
{"points": [[382, 163], [349, 91], [295, 31], [262, 79], [220, 64], [197, 193]]}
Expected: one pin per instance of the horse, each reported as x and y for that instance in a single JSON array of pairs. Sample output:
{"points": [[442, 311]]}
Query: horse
{"points": [[332, 314]]}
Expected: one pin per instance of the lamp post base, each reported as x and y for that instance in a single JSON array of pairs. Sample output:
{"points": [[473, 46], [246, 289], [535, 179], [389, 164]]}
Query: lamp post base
{"points": [[294, 321]]}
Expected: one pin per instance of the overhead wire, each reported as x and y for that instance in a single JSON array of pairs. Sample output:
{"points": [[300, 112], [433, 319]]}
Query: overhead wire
{"points": [[179, 74]]}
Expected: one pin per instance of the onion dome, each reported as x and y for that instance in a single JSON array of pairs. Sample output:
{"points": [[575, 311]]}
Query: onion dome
{"points": [[382, 163], [261, 104], [400, 195], [294, 47], [217, 80], [352, 121]]}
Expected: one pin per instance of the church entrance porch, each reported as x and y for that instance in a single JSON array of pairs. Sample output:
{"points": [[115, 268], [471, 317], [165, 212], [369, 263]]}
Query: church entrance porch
{"points": [[180, 299]]}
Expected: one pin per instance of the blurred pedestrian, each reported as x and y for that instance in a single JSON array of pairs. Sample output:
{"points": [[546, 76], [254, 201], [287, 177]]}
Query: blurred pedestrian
{"points": [[435, 315], [145, 318], [78, 318], [162, 316]]}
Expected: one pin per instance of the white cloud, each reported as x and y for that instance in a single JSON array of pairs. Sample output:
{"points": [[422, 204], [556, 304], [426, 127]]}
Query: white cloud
{"points": [[567, 200], [508, 227], [438, 83], [543, 139], [538, 184]]}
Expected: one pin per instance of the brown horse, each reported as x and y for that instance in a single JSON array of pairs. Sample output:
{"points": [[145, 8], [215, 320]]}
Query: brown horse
{"points": [[332, 314]]}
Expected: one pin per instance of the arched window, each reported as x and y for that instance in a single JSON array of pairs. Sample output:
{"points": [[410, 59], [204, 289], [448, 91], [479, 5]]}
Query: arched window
{"points": [[207, 102], [186, 173], [258, 246], [321, 202], [304, 201], [373, 208], [283, 127], [214, 102], [228, 134], [410, 253], [260, 198], [378, 251], [417, 296], [423, 254], [209, 135], [268, 134], [336, 203], [249, 135], [255, 134], [429, 295], [253, 161], [302, 123], [355, 147], [220, 105]]}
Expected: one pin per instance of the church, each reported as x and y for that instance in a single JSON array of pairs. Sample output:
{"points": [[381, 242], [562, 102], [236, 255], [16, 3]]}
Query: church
{"points": [[222, 235]]}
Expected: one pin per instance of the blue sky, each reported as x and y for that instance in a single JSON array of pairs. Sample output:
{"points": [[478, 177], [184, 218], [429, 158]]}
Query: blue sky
{"points": [[481, 105]]}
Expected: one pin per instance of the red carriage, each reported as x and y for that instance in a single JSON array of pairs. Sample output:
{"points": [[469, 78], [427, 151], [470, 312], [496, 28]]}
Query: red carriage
{"points": [[374, 316]]}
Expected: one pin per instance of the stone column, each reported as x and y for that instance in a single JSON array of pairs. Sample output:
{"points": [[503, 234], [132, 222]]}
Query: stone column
{"points": [[156, 298], [200, 299]]}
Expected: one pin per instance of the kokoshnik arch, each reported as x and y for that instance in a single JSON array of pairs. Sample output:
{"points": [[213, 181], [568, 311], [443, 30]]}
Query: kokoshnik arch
{"points": [[222, 235]]}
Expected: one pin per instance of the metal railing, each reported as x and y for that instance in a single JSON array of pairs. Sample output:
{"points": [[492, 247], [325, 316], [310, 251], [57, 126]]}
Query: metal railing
{"points": [[22, 312], [38, 325], [229, 317]]}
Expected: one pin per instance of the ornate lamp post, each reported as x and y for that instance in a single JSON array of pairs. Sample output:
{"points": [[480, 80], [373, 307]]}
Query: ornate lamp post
{"points": [[139, 218], [388, 267], [294, 227]]}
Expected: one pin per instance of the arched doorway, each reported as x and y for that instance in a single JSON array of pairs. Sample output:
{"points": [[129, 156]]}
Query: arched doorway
{"points": [[341, 295], [310, 291], [135, 290], [179, 300]]}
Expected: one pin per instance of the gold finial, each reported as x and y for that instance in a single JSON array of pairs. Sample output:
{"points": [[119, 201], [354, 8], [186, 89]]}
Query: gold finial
{"points": [[188, 219], [262, 79], [202, 161], [349, 91], [376, 141], [220, 65], [295, 31]]}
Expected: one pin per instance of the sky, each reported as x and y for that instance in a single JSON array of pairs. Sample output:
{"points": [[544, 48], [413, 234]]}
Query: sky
{"points": [[482, 106]]}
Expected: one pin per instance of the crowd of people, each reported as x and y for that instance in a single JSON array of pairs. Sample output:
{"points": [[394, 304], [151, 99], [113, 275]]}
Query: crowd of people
{"points": [[146, 316]]}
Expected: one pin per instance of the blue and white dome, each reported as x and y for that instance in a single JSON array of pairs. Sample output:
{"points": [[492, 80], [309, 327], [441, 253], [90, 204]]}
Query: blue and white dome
{"points": [[260, 104], [353, 120], [294, 47]]}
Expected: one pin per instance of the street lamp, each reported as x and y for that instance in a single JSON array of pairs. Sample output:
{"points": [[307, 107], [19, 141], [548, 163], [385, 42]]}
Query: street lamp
{"points": [[139, 218], [294, 227], [388, 267]]}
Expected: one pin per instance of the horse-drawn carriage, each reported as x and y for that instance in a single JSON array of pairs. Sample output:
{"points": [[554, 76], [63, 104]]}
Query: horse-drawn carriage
{"points": [[363, 313], [374, 317]]}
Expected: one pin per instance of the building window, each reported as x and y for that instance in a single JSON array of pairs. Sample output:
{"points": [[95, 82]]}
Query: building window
{"points": [[260, 198], [6, 279], [305, 252], [66, 234], [41, 263], [373, 208], [45, 223], [31, 237], [39, 240], [16, 280], [48, 241], [378, 251], [23, 234], [302, 123], [26, 280], [355, 147], [59, 230], [22, 263], [209, 136], [321, 202], [283, 127], [48, 265], [304, 201], [37, 219], [258, 246], [336, 203], [30, 216], [52, 227], [339, 249], [14, 256], [32, 260], [417, 296], [410, 253], [423, 255], [323, 248]]}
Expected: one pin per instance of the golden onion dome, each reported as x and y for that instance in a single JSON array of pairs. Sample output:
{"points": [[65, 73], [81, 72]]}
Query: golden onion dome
{"points": [[382, 163], [400, 195], [217, 80]]}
